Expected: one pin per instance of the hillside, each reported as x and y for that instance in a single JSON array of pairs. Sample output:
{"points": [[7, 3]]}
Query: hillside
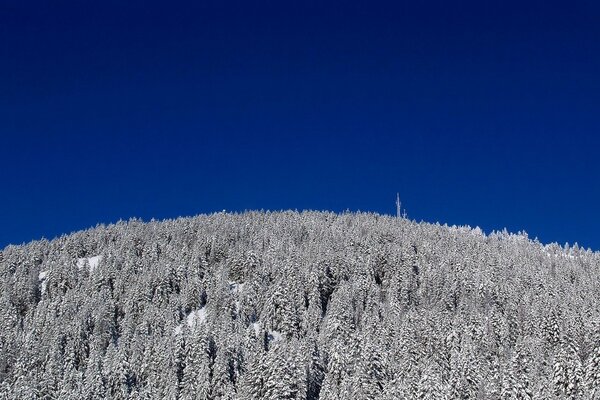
{"points": [[294, 305]]}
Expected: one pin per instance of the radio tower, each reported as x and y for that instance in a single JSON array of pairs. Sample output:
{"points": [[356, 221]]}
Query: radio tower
{"points": [[398, 206]]}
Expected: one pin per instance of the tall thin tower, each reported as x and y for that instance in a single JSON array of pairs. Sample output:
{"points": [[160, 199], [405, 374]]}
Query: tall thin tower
{"points": [[398, 206]]}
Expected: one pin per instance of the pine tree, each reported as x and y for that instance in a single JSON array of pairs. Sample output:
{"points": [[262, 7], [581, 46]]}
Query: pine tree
{"points": [[94, 387], [592, 374], [430, 386], [299, 305]]}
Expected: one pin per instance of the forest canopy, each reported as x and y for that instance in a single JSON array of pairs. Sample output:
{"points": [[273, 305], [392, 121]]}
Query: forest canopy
{"points": [[289, 305]]}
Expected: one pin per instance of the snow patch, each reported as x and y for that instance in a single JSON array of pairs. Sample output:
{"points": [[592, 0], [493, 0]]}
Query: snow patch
{"points": [[42, 277], [196, 317], [201, 315], [193, 318], [256, 327], [235, 287], [275, 336], [272, 336], [91, 262]]}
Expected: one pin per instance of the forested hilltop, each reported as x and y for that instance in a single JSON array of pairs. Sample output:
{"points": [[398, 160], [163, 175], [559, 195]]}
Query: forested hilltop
{"points": [[292, 305]]}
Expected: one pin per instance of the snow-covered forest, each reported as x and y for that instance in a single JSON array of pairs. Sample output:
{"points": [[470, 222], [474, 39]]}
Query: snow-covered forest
{"points": [[290, 305]]}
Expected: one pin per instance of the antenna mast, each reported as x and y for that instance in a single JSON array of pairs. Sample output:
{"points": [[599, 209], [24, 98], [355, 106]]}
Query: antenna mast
{"points": [[398, 206]]}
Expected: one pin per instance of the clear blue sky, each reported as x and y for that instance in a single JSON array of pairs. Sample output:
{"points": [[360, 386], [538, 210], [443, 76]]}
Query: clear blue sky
{"points": [[477, 112]]}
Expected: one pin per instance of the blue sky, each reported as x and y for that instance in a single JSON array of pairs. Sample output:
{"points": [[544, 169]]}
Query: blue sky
{"points": [[479, 113]]}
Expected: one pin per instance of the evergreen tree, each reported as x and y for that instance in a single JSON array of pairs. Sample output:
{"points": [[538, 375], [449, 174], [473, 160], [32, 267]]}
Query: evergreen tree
{"points": [[310, 305]]}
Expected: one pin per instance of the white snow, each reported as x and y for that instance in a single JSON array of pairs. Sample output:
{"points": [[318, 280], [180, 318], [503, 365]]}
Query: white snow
{"points": [[192, 319], [561, 254], [43, 275], [201, 314], [235, 287], [196, 317], [256, 327], [273, 336], [276, 336], [92, 262]]}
